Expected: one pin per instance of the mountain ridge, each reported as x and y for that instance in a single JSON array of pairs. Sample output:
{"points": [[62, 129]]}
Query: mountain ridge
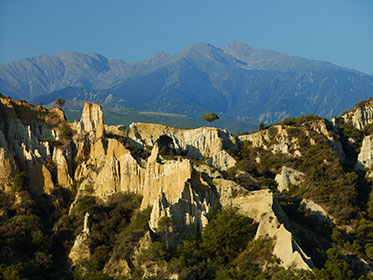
{"points": [[238, 82]]}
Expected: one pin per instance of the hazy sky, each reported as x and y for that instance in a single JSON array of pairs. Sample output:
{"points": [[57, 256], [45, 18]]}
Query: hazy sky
{"points": [[339, 31]]}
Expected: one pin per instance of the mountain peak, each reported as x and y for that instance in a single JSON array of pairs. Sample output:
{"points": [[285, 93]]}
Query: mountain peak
{"points": [[239, 49], [156, 59], [200, 47]]}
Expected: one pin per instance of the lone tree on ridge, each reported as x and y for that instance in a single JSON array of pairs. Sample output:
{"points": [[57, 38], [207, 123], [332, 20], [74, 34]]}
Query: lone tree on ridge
{"points": [[60, 102], [210, 117]]}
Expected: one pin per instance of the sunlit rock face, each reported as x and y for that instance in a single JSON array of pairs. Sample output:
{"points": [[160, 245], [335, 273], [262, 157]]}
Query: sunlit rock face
{"points": [[204, 142], [287, 177], [26, 135], [91, 121], [365, 157], [264, 208], [360, 116]]}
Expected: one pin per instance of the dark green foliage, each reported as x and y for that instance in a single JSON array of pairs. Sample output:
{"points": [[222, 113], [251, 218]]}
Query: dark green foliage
{"points": [[11, 272], [109, 221], [136, 151], [368, 129], [66, 132], [155, 252], [369, 252], [363, 103], [370, 206], [261, 126], [221, 242], [5, 200], [166, 146], [80, 273], [19, 182], [293, 274], [256, 175], [210, 117], [226, 235], [60, 102], [164, 140], [349, 131], [300, 120], [33, 247], [328, 181], [130, 235], [165, 226], [335, 269]]}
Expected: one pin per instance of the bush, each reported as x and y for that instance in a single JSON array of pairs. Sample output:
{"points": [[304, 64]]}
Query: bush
{"points": [[66, 132], [222, 240], [19, 182]]}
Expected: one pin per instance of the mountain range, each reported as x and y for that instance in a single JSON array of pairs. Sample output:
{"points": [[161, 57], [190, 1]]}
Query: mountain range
{"points": [[238, 83]]}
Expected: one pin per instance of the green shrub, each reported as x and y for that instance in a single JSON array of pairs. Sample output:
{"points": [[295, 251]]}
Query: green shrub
{"points": [[19, 182], [66, 132]]}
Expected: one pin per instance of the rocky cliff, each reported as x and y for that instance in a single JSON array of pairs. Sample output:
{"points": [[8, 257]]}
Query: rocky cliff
{"points": [[361, 115], [30, 140], [202, 172]]}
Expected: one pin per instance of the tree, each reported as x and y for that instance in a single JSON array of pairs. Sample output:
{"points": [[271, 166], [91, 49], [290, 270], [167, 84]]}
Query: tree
{"points": [[166, 225], [227, 235], [165, 144], [19, 182], [370, 206], [261, 126], [210, 117], [60, 102]]}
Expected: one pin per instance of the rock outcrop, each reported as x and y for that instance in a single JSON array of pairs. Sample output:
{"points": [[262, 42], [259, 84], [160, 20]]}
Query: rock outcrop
{"points": [[287, 177], [285, 138], [100, 160], [92, 121], [81, 251], [27, 134], [365, 157], [264, 208], [360, 116], [205, 142], [277, 138], [320, 213]]}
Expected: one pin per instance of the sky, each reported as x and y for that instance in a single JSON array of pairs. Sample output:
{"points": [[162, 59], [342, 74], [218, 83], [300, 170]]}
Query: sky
{"points": [[338, 31]]}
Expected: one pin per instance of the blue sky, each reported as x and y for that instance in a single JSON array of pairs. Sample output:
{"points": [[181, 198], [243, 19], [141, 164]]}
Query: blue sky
{"points": [[339, 31]]}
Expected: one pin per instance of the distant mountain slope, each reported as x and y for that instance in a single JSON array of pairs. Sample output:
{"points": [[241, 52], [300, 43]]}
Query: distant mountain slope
{"points": [[272, 60], [238, 82]]}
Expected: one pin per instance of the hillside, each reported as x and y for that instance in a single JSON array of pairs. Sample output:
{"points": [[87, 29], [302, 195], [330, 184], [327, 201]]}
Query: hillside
{"points": [[238, 83], [84, 200]]}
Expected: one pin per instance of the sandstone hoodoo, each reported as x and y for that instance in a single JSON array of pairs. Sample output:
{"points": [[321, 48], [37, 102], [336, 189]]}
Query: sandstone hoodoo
{"points": [[153, 200]]}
